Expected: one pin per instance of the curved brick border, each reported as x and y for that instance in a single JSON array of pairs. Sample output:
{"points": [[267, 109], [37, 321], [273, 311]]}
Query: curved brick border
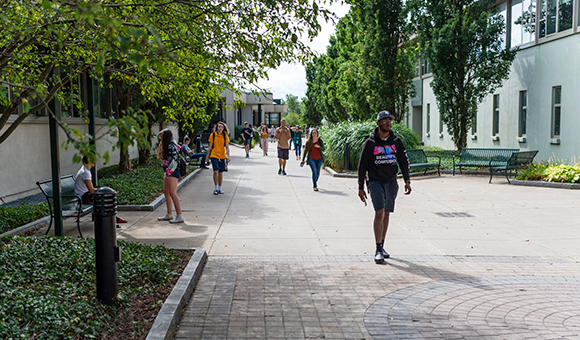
{"points": [[391, 317], [170, 314]]}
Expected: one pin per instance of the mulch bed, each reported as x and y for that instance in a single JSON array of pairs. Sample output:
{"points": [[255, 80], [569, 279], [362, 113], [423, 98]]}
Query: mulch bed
{"points": [[136, 321]]}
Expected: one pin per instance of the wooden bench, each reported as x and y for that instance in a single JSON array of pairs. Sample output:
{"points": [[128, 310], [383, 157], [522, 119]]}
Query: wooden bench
{"points": [[480, 157], [418, 160], [72, 205], [518, 160]]}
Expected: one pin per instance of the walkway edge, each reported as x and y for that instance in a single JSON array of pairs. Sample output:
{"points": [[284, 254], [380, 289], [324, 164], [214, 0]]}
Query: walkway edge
{"points": [[32, 226], [546, 184], [159, 200], [170, 314]]}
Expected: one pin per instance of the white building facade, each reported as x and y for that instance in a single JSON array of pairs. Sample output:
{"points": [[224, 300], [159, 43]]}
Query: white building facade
{"points": [[537, 108]]}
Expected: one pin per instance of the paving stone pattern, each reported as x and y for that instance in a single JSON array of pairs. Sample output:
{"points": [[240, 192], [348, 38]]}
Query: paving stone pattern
{"points": [[410, 297]]}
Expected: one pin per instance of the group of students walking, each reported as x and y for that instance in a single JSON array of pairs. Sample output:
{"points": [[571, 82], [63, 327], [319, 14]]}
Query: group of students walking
{"points": [[382, 155]]}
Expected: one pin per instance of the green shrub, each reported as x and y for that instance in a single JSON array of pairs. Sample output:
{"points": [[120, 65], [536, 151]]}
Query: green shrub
{"points": [[562, 173], [238, 132], [337, 136], [532, 172], [446, 155], [140, 186], [48, 286], [16, 216]]}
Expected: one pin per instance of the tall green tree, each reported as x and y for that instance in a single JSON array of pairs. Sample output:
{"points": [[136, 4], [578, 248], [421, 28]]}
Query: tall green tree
{"points": [[368, 65], [294, 112], [463, 41], [386, 55]]}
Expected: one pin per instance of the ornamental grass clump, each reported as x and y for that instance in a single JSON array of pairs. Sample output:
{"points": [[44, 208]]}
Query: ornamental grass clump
{"points": [[338, 135]]}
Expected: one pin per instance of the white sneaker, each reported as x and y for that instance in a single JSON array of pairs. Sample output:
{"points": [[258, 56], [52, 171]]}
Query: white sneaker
{"points": [[165, 218], [215, 192], [177, 219]]}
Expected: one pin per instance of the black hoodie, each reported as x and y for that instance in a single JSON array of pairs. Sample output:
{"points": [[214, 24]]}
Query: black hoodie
{"points": [[379, 157]]}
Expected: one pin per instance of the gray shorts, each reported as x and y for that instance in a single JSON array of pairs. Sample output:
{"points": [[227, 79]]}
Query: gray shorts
{"points": [[282, 153], [383, 194]]}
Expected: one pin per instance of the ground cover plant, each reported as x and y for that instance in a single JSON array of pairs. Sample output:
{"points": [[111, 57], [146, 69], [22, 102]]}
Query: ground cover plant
{"points": [[551, 171], [48, 288], [139, 186], [16, 216]]}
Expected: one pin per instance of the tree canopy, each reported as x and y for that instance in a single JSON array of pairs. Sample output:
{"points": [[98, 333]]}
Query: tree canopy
{"points": [[176, 54], [368, 65]]}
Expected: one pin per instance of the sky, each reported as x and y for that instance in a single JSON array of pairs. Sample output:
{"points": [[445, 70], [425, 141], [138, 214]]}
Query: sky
{"points": [[291, 78]]}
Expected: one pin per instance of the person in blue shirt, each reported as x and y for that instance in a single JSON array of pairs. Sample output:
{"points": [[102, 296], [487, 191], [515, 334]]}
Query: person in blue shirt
{"points": [[187, 151]]}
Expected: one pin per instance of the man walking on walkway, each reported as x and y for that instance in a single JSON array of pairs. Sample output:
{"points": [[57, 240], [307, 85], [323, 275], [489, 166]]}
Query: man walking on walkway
{"points": [[247, 133], [381, 152], [283, 136]]}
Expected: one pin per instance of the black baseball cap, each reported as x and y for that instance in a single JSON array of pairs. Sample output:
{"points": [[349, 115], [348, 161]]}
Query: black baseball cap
{"points": [[384, 114]]}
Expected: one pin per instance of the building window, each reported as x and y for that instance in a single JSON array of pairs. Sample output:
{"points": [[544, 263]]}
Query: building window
{"points": [[555, 16], [474, 126], [495, 131], [440, 124], [425, 68], [523, 22], [428, 119], [523, 113], [501, 12], [556, 110]]}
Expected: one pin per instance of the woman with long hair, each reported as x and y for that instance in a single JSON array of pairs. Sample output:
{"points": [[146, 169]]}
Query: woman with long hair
{"points": [[169, 155], [264, 139], [219, 154], [314, 149]]}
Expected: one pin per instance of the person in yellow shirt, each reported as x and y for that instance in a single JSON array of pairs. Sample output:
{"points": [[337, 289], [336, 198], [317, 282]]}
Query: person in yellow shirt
{"points": [[219, 154]]}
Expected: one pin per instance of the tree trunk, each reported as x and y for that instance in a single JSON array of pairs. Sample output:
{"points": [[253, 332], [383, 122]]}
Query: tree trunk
{"points": [[124, 99]]}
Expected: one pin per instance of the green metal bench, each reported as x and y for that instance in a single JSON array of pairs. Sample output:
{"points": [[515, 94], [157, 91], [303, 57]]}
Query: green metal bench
{"points": [[72, 205], [481, 157], [418, 160], [518, 160]]}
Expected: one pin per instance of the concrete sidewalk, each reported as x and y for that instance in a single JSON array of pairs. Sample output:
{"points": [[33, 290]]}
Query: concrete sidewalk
{"points": [[470, 260]]}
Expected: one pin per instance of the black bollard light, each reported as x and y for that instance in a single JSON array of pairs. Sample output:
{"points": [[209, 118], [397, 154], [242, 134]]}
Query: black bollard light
{"points": [[107, 253], [198, 144]]}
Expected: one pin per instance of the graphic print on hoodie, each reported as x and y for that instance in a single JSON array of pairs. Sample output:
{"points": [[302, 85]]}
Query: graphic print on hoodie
{"points": [[385, 154]]}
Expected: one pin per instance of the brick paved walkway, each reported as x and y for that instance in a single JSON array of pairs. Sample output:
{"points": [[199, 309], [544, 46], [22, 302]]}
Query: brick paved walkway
{"points": [[410, 297]]}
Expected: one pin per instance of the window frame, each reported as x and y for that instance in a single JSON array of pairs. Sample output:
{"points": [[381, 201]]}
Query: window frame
{"points": [[428, 119], [523, 114], [556, 122], [495, 116]]}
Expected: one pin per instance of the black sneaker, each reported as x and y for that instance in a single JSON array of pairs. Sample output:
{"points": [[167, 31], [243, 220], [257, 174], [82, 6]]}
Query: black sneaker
{"points": [[279, 171], [386, 255], [379, 258]]}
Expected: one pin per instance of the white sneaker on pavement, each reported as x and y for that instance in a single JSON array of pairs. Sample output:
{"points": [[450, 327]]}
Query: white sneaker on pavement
{"points": [[165, 218], [177, 219]]}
